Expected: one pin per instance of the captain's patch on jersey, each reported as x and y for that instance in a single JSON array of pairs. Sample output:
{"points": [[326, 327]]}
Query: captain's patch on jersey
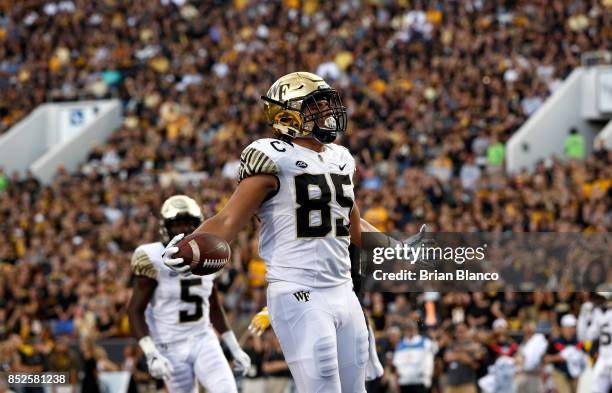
{"points": [[255, 162]]}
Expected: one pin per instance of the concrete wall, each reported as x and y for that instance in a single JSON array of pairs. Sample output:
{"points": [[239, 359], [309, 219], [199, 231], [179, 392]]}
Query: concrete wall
{"points": [[605, 135], [74, 150], [57, 134], [544, 132], [24, 142]]}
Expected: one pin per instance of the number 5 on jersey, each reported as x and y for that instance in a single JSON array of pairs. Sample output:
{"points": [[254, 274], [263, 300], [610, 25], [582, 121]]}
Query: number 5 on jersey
{"points": [[187, 297], [307, 205]]}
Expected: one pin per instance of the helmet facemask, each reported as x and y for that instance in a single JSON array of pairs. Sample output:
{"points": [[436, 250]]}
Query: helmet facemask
{"points": [[324, 115], [182, 223]]}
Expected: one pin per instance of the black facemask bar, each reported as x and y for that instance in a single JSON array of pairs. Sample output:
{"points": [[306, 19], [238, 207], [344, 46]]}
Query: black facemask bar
{"points": [[315, 112], [192, 222]]}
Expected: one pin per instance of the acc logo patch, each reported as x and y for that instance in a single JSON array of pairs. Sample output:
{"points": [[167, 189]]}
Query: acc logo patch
{"points": [[301, 164]]}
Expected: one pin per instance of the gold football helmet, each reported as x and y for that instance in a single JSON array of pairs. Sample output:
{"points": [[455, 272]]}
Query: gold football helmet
{"points": [[302, 104], [179, 208]]}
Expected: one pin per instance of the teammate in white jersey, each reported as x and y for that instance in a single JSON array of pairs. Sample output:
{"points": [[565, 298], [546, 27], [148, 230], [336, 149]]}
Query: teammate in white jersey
{"points": [[300, 185], [173, 316], [595, 323]]}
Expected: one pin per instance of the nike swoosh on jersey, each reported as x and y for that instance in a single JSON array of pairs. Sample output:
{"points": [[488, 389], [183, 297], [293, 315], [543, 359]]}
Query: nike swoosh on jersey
{"points": [[342, 167]]}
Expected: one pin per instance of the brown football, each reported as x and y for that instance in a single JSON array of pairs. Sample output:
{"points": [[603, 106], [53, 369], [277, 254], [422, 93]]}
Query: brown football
{"points": [[206, 253]]}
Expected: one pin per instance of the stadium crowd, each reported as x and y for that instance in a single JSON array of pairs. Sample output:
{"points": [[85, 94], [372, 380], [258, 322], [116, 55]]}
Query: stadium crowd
{"points": [[434, 89]]}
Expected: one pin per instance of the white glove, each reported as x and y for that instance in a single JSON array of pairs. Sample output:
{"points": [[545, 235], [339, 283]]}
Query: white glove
{"points": [[241, 359], [159, 366], [175, 264], [414, 240]]}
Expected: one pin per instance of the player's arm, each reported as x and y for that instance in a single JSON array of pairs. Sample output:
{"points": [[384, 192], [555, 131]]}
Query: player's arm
{"points": [[244, 202], [258, 181], [355, 226], [376, 238], [219, 321], [144, 289], [359, 226]]}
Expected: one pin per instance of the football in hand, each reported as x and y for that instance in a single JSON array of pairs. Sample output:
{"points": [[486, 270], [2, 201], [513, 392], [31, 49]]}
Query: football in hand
{"points": [[206, 253]]}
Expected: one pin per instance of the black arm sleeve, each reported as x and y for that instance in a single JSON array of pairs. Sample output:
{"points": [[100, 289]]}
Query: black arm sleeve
{"points": [[357, 272]]}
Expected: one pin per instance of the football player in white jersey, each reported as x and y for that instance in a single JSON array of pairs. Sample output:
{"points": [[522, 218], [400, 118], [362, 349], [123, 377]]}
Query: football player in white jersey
{"points": [[300, 185], [173, 316], [595, 323]]}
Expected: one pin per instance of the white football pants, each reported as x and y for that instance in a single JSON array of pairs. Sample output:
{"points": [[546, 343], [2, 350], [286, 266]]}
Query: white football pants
{"points": [[602, 376], [200, 357], [323, 335]]}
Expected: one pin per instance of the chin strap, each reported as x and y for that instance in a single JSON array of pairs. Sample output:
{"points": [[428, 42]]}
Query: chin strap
{"points": [[323, 136]]}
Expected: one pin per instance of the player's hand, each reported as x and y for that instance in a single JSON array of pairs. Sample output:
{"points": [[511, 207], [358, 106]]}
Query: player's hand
{"points": [[241, 359], [242, 362], [413, 240], [159, 366], [175, 264], [260, 322]]}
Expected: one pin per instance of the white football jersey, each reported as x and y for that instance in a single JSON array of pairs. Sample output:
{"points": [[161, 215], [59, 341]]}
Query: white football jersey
{"points": [[599, 326], [304, 235], [180, 306]]}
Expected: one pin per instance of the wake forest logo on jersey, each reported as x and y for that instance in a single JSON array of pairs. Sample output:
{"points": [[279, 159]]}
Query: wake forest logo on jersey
{"points": [[302, 296]]}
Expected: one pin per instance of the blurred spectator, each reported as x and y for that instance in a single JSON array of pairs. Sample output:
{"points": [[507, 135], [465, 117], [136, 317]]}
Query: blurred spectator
{"points": [[413, 360], [254, 381], [470, 173], [4, 180], [274, 366], [479, 313], [89, 382], [500, 344], [63, 359], [377, 215], [531, 352], [135, 363], [567, 355], [32, 358], [575, 145], [462, 359], [95, 360], [496, 152]]}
